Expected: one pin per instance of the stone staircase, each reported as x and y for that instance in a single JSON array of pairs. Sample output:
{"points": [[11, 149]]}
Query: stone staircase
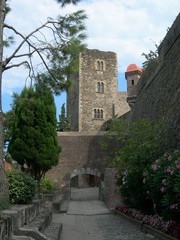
{"points": [[28, 222]]}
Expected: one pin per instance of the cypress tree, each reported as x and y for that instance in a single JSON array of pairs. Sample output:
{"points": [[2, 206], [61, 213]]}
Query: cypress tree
{"points": [[34, 142]]}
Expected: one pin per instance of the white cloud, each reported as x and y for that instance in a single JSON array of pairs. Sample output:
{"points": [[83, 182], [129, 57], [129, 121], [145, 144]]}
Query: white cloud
{"points": [[127, 27]]}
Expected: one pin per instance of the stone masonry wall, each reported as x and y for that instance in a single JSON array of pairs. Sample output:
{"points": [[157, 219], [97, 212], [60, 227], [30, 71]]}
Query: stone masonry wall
{"points": [[159, 95], [111, 192], [79, 150], [121, 105], [85, 96], [90, 99]]}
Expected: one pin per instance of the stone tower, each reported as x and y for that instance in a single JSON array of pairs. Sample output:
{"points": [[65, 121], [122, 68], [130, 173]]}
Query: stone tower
{"points": [[132, 74], [91, 100]]}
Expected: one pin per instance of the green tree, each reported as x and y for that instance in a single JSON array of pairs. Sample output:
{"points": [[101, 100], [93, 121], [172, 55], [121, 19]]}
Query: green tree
{"points": [[6, 64], [63, 124], [151, 59], [133, 148], [34, 142]]}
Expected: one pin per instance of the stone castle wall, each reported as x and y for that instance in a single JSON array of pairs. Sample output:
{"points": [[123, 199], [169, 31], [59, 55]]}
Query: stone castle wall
{"points": [[79, 151], [121, 105], [159, 92]]}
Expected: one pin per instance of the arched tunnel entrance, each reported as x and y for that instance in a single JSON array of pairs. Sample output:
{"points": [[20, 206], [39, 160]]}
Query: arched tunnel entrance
{"points": [[85, 184]]}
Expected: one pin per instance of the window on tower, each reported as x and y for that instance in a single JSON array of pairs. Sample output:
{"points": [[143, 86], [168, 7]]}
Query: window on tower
{"points": [[98, 113], [100, 87], [100, 65], [132, 82]]}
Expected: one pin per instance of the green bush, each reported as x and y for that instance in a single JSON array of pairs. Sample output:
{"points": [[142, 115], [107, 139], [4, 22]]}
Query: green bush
{"points": [[47, 185], [21, 187], [133, 190], [162, 181], [135, 146]]}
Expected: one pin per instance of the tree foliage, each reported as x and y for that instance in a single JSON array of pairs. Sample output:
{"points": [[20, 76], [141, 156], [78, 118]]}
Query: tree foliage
{"points": [[133, 147], [56, 44], [63, 123], [151, 59], [66, 2], [34, 143]]}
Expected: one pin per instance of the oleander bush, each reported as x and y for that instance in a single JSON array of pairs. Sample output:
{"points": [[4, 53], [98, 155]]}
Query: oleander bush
{"points": [[21, 187], [162, 182]]}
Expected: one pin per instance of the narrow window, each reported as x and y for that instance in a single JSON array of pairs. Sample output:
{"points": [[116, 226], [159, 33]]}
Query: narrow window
{"points": [[101, 114], [132, 82], [100, 65], [95, 113], [98, 113], [98, 87], [101, 87]]}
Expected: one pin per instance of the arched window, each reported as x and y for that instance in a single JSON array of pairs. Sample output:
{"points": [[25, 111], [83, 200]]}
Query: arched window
{"points": [[101, 114], [100, 65], [98, 113], [95, 113], [100, 87]]}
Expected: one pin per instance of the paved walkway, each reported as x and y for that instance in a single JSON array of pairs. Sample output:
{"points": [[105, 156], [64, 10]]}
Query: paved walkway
{"points": [[95, 221]]}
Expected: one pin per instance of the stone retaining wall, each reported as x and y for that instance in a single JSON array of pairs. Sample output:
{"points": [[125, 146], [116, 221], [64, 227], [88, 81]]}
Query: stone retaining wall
{"points": [[15, 217]]}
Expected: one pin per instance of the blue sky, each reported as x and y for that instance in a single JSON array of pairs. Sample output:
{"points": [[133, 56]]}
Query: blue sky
{"points": [[127, 27]]}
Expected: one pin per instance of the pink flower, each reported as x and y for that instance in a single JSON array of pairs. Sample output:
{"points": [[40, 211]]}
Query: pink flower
{"points": [[164, 182], [169, 170], [174, 206], [170, 158], [157, 161], [155, 167], [163, 189], [178, 165], [144, 180]]}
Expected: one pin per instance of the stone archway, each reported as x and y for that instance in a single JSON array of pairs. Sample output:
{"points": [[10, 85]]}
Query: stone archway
{"points": [[84, 178], [81, 171]]}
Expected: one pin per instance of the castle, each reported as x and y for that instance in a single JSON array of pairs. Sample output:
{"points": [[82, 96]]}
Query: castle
{"points": [[94, 98]]}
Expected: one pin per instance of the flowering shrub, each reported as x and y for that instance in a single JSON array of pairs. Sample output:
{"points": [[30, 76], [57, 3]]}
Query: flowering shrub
{"points": [[155, 221], [162, 182], [133, 190]]}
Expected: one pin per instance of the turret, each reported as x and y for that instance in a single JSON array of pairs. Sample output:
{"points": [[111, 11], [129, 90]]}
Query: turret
{"points": [[132, 74]]}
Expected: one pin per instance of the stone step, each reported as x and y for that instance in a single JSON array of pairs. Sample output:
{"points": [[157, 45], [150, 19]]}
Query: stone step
{"points": [[64, 206], [56, 204], [36, 227], [21, 238], [53, 231]]}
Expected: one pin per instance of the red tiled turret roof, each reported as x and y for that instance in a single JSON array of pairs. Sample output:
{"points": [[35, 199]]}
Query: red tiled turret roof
{"points": [[133, 67]]}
